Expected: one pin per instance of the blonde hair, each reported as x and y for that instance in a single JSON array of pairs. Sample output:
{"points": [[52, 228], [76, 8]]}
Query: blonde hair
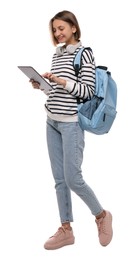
{"points": [[68, 17]]}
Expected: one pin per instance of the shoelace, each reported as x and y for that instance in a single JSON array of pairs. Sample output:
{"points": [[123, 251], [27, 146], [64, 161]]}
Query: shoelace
{"points": [[59, 231]]}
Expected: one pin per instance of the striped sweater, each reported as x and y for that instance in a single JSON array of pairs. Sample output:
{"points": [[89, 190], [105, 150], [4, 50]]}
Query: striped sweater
{"points": [[61, 104]]}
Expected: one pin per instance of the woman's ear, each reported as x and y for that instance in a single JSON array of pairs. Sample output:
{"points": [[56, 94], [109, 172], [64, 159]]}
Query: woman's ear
{"points": [[73, 29]]}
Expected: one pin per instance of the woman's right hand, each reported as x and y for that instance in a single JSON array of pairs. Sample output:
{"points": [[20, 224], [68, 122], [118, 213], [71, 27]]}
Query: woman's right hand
{"points": [[35, 84]]}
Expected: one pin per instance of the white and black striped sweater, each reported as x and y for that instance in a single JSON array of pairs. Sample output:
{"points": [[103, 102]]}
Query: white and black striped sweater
{"points": [[62, 102]]}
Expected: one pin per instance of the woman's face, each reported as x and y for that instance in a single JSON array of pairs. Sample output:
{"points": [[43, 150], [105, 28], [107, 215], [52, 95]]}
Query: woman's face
{"points": [[64, 32]]}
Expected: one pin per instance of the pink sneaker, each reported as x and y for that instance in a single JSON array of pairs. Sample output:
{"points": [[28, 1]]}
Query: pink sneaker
{"points": [[105, 231], [62, 237]]}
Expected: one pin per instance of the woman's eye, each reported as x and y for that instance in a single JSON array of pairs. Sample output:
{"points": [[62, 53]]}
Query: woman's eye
{"points": [[61, 28]]}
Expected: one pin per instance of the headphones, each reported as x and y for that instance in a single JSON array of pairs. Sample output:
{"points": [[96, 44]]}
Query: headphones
{"points": [[69, 48]]}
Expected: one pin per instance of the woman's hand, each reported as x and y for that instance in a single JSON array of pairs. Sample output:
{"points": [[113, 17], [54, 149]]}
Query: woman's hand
{"points": [[35, 84], [52, 78]]}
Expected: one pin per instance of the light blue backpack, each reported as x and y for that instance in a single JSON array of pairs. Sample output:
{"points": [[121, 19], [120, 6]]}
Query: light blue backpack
{"points": [[98, 114]]}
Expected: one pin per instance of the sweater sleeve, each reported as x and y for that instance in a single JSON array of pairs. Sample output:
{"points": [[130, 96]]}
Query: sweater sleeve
{"points": [[84, 88]]}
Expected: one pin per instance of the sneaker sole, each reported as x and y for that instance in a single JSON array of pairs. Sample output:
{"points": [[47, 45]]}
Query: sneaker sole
{"points": [[67, 242]]}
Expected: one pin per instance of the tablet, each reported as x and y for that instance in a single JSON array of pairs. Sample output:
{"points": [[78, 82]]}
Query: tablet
{"points": [[31, 73]]}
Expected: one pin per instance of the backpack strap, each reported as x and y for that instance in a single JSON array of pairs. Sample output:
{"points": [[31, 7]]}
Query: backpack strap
{"points": [[78, 60], [77, 63]]}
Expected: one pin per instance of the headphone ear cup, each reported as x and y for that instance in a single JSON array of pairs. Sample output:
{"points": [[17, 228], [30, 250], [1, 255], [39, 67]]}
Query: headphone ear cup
{"points": [[70, 48], [59, 50]]}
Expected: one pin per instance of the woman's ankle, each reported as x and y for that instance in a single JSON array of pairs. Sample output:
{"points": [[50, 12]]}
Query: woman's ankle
{"points": [[67, 225], [101, 215]]}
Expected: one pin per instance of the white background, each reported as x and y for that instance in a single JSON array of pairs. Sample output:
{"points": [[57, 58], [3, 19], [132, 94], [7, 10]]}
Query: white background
{"points": [[28, 208]]}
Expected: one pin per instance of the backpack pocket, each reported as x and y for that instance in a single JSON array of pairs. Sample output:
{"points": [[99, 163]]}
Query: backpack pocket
{"points": [[103, 119], [88, 108]]}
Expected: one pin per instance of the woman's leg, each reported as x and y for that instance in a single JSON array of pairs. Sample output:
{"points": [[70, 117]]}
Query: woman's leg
{"points": [[54, 141], [73, 146], [64, 235]]}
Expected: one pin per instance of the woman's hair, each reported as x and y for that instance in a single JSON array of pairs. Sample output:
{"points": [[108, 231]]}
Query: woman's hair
{"points": [[68, 17]]}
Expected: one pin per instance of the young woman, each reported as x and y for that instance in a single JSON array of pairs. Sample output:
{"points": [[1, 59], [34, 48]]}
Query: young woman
{"points": [[65, 138]]}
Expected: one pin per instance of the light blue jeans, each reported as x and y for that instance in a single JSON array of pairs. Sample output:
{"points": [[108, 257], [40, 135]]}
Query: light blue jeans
{"points": [[65, 146]]}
